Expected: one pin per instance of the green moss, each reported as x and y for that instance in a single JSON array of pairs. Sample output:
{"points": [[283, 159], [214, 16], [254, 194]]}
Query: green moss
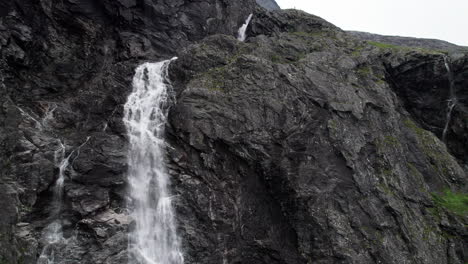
{"points": [[308, 34], [427, 232], [391, 141], [387, 172], [386, 189], [381, 81], [365, 71], [214, 79], [383, 45], [404, 48], [386, 143], [413, 170], [417, 177], [332, 124], [244, 49], [290, 58], [410, 124], [275, 58], [357, 51], [436, 213], [439, 158], [452, 201]]}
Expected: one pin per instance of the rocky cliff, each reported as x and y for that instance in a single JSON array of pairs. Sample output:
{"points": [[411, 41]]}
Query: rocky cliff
{"points": [[301, 145]]}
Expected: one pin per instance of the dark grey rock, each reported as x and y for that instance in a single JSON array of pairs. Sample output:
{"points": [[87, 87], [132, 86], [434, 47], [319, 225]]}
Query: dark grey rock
{"points": [[297, 146], [300, 145]]}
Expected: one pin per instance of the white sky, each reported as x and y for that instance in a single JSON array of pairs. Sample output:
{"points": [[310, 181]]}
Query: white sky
{"points": [[446, 20]]}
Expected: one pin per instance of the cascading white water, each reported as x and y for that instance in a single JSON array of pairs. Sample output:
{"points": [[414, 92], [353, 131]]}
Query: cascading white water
{"points": [[154, 239], [241, 35], [52, 234], [452, 102]]}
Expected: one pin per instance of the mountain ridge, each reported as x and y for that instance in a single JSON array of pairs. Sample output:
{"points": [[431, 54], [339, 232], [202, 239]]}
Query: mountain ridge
{"points": [[434, 44]]}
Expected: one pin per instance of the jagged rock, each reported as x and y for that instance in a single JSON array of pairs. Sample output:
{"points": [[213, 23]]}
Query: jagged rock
{"points": [[302, 139], [301, 145]]}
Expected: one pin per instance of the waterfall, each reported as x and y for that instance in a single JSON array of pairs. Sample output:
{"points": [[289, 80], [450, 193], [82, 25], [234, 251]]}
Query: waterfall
{"points": [[241, 35], [452, 101], [52, 234], [154, 239]]}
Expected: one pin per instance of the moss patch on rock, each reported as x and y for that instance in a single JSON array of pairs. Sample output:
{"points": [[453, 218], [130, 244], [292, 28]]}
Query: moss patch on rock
{"points": [[434, 149], [452, 201], [404, 48]]}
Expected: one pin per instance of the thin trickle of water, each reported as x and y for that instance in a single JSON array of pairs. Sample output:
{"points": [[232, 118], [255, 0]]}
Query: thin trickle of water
{"points": [[452, 101], [241, 35], [106, 124], [37, 125], [40, 124], [154, 239], [49, 115], [450, 76], [451, 104], [52, 234]]}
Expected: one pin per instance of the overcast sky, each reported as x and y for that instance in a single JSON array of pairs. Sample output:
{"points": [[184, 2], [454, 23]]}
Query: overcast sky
{"points": [[446, 20]]}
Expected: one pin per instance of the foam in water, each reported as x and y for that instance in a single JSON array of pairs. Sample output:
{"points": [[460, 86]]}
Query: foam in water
{"points": [[52, 234], [154, 239], [243, 29], [452, 102]]}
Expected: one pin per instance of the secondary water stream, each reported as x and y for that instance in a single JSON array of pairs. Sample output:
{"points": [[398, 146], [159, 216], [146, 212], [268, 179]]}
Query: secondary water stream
{"points": [[452, 101], [52, 235], [242, 35]]}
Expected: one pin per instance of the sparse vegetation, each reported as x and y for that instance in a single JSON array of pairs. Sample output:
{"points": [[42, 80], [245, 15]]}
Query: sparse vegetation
{"points": [[440, 159], [214, 79], [365, 71], [452, 201], [357, 51], [383, 45], [308, 34], [404, 48]]}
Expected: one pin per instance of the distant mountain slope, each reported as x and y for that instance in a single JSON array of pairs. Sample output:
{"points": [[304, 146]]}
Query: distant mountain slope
{"points": [[434, 44], [268, 4]]}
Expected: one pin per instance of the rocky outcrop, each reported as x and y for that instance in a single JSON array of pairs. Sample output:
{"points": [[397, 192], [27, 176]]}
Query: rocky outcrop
{"points": [[422, 81], [431, 44], [300, 145]]}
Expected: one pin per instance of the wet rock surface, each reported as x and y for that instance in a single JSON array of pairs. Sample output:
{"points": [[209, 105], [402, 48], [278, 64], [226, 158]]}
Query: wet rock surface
{"points": [[301, 145]]}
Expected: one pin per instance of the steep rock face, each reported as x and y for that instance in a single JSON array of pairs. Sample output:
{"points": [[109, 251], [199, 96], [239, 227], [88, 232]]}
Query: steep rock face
{"points": [[300, 149], [66, 68], [301, 145], [423, 82]]}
